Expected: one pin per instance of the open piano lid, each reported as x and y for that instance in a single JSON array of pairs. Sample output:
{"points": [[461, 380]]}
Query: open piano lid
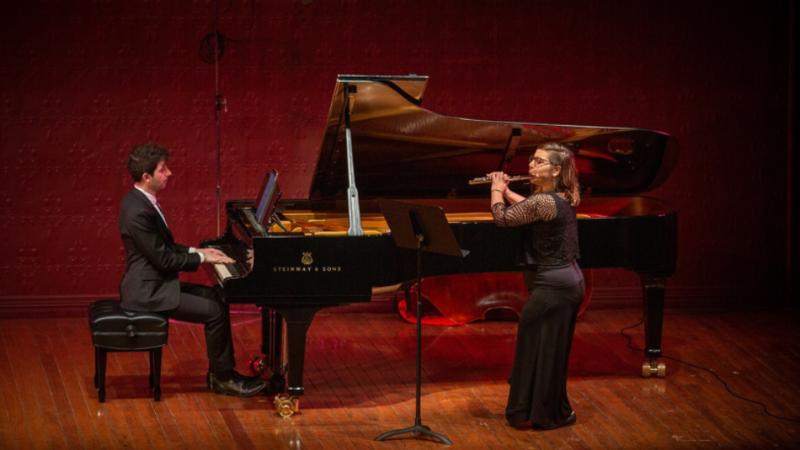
{"points": [[405, 151]]}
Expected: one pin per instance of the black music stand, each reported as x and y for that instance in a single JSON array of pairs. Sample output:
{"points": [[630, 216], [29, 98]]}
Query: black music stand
{"points": [[424, 229]]}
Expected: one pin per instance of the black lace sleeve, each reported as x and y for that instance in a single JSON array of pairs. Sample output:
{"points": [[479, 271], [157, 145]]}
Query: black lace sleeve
{"points": [[536, 208]]}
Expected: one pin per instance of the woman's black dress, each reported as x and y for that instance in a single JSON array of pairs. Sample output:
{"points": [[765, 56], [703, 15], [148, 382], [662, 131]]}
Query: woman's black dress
{"points": [[539, 376]]}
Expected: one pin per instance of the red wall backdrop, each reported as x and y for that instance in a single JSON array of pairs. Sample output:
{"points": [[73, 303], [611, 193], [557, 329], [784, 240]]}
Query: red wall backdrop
{"points": [[83, 81]]}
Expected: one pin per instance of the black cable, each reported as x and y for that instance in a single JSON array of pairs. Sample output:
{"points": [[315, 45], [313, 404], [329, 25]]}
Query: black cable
{"points": [[711, 371], [391, 84]]}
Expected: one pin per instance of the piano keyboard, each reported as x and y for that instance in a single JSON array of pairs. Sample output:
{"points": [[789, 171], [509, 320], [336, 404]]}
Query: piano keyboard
{"points": [[237, 269]]}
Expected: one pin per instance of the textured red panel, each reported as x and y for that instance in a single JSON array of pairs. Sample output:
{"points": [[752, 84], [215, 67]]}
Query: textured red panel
{"points": [[81, 83]]}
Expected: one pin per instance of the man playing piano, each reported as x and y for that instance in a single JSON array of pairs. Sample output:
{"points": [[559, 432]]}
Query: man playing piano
{"points": [[153, 260], [538, 394]]}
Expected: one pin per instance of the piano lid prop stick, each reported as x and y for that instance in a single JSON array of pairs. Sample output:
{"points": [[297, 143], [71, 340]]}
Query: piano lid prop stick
{"points": [[353, 209]]}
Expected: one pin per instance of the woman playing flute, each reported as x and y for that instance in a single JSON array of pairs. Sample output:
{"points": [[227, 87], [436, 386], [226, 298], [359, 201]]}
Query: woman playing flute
{"points": [[538, 392]]}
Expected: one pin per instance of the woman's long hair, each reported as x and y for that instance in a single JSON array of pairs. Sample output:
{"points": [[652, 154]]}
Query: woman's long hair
{"points": [[567, 181]]}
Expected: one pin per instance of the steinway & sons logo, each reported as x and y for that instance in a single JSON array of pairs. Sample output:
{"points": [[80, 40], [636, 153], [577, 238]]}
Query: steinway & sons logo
{"points": [[307, 259], [307, 265]]}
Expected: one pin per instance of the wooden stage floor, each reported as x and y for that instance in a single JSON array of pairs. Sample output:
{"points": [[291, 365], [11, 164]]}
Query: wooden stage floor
{"points": [[360, 382]]}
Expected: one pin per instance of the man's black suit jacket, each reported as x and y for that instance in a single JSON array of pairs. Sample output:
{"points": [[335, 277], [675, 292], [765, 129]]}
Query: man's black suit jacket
{"points": [[152, 258]]}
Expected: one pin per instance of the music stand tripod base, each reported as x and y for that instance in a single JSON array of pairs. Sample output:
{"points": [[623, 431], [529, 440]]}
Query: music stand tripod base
{"points": [[416, 430]]}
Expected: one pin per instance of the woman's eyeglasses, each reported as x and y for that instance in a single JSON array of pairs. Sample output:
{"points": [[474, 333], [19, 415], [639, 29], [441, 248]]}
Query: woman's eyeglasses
{"points": [[538, 161]]}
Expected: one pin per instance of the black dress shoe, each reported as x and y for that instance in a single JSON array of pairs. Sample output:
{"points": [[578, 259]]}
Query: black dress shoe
{"points": [[232, 374], [239, 376], [238, 385]]}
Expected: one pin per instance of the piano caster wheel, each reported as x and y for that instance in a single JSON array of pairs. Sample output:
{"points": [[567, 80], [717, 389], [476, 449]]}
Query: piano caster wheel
{"points": [[258, 364], [653, 367], [286, 405]]}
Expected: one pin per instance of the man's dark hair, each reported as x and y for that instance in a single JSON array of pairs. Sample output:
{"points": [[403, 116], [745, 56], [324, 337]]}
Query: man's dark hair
{"points": [[144, 158]]}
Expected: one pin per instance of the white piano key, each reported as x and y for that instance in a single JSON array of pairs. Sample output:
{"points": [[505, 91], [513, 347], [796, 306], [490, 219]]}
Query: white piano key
{"points": [[222, 272]]}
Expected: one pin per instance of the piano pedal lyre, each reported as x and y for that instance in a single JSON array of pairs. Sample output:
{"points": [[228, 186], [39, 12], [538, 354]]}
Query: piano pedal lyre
{"points": [[286, 405], [653, 367]]}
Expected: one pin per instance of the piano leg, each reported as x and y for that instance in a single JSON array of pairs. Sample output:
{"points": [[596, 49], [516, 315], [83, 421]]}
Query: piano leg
{"points": [[653, 290], [271, 349], [297, 320]]}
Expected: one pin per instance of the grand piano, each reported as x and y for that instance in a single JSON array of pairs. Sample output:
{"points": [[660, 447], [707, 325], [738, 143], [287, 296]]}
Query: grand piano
{"points": [[335, 247]]}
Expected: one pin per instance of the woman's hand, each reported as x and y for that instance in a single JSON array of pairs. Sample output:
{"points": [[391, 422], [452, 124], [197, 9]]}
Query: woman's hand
{"points": [[499, 181]]}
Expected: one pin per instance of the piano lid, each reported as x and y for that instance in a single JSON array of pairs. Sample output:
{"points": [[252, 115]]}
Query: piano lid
{"points": [[403, 150]]}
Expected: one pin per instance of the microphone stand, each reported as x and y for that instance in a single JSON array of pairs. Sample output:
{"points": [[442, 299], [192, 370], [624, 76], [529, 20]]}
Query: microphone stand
{"points": [[220, 106]]}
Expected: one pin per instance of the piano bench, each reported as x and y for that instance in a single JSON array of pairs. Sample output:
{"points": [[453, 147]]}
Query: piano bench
{"points": [[117, 330]]}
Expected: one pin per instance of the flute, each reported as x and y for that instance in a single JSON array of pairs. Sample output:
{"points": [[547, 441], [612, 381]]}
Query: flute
{"points": [[487, 179]]}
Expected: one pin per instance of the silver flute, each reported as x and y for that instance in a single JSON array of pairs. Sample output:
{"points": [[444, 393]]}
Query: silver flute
{"points": [[487, 179]]}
